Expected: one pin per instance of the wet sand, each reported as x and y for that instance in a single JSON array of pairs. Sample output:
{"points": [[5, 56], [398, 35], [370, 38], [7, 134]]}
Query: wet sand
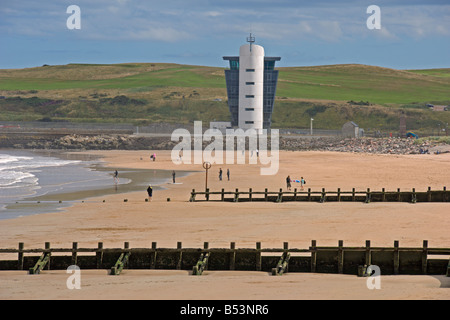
{"points": [[114, 221]]}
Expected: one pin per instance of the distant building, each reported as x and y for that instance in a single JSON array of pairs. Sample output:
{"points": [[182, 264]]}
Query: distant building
{"points": [[438, 108], [251, 86], [352, 130]]}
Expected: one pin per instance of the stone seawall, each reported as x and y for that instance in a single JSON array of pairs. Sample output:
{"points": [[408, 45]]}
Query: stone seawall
{"points": [[60, 141]]}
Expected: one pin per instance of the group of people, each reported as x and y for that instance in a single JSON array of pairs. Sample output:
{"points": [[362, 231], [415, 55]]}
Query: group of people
{"points": [[289, 180], [220, 174]]}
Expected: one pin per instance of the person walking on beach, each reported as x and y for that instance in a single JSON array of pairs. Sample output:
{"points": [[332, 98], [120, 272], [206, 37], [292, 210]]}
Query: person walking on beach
{"points": [[288, 182], [116, 177], [220, 174], [150, 192], [302, 182], [173, 176], [228, 174]]}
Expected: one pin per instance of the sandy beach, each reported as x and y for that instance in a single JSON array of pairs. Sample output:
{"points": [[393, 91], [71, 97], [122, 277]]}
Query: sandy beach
{"points": [[110, 220]]}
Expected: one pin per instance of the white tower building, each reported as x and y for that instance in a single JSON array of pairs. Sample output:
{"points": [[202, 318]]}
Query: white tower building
{"points": [[251, 86]]}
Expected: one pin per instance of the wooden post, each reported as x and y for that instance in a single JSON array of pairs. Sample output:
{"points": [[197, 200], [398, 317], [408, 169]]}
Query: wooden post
{"points": [[445, 195], [309, 194], [424, 256], [384, 194], [340, 257], [280, 195], [74, 253], [20, 256], [192, 199], [99, 255], [399, 195], [47, 249], [413, 197], [368, 257], [258, 256], [368, 195], [339, 194], [207, 194], [323, 198], [265, 194], [396, 257], [313, 255], [222, 197], [353, 194], [250, 194], [153, 259], [295, 194], [180, 257], [232, 255], [429, 194]]}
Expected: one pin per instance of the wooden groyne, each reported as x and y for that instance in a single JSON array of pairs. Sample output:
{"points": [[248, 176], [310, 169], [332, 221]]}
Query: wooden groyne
{"points": [[315, 259], [338, 195]]}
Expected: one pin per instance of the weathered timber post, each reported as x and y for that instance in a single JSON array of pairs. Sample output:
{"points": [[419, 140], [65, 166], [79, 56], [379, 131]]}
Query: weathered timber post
{"points": [[207, 194], [232, 255], [47, 249], [368, 196], [323, 198], [414, 196], [339, 194], [250, 191], [429, 194], [280, 195], [295, 194], [309, 194], [153, 259], [258, 256], [236, 195], [313, 255], [384, 194], [445, 195], [180, 257], [222, 196], [368, 255], [340, 256], [20, 256], [396, 257], [99, 255], [353, 194], [424, 256], [399, 195], [265, 194], [192, 199], [74, 253]]}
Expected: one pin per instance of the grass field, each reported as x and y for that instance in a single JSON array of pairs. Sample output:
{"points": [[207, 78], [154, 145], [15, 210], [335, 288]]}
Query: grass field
{"points": [[141, 93]]}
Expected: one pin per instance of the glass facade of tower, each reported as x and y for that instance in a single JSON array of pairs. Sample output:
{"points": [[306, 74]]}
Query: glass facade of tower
{"points": [[270, 87]]}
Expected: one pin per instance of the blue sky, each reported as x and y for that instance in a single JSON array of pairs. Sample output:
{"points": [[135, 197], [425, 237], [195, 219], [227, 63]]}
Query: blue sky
{"points": [[414, 34]]}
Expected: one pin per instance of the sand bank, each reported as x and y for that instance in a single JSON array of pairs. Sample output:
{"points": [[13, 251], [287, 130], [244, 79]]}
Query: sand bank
{"points": [[138, 222]]}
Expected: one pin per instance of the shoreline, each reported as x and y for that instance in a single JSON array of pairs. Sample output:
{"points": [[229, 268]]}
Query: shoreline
{"points": [[60, 200], [141, 223]]}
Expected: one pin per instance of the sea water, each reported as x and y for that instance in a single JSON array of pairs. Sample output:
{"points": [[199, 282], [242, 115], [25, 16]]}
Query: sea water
{"points": [[33, 182]]}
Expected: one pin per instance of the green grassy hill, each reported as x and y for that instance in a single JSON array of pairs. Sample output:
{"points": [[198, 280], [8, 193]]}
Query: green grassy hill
{"points": [[142, 93]]}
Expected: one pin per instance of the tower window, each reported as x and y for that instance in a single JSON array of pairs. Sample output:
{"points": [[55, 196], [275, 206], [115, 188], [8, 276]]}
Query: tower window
{"points": [[249, 109], [249, 122], [250, 83], [250, 70], [249, 96]]}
